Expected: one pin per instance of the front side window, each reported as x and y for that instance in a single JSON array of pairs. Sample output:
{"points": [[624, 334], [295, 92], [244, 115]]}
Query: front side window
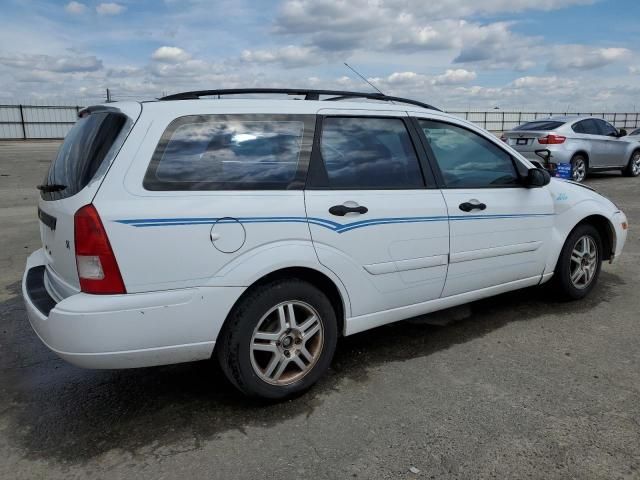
{"points": [[607, 129], [368, 153], [232, 152], [468, 160]]}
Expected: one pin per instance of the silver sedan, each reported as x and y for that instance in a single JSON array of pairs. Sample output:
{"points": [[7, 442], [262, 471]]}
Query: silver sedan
{"points": [[589, 144]]}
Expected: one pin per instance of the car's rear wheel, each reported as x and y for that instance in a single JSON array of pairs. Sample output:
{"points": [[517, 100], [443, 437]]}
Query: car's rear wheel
{"points": [[578, 168], [579, 264], [633, 167], [279, 340]]}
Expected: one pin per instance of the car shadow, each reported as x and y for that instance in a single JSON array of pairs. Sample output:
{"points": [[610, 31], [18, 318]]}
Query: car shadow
{"points": [[607, 174], [54, 410]]}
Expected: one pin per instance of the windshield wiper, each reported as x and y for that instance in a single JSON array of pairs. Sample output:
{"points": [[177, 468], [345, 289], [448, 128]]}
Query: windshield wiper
{"points": [[52, 187]]}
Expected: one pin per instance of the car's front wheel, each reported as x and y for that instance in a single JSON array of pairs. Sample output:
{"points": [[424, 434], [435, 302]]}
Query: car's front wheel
{"points": [[279, 340], [633, 167], [579, 264]]}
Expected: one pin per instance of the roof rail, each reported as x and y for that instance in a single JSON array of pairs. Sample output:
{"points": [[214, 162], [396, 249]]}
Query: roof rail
{"points": [[308, 95]]}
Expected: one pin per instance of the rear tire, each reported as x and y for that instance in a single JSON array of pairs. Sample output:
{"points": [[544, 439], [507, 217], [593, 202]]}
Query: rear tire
{"points": [[579, 168], [579, 263], [279, 340], [633, 167]]}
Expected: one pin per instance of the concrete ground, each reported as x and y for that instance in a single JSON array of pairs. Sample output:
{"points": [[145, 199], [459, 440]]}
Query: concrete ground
{"points": [[517, 386]]}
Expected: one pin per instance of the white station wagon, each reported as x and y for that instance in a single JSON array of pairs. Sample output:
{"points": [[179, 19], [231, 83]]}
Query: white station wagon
{"points": [[259, 231]]}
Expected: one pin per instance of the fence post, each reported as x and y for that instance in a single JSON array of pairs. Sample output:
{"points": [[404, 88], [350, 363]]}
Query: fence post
{"points": [[24, 130]]}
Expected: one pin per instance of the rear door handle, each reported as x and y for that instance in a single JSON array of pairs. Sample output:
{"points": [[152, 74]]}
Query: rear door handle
{"points": [[342, 210], [472, 205]]}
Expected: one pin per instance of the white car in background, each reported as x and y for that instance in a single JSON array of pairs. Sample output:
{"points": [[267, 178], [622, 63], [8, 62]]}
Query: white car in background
{"points": [[261, 230]]}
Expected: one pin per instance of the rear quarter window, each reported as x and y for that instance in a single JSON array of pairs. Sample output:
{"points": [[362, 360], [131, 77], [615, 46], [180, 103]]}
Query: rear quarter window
{"points": [[540, 125], [82, 153], [232, 152]]}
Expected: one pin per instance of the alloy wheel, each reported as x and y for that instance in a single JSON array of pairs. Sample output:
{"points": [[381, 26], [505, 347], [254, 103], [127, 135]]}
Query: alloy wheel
{"points": [[287, 343], [635, 164], [579, 170], [584, 262]]}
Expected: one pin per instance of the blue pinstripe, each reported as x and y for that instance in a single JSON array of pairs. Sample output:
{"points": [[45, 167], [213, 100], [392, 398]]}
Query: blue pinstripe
{"points": [[322, 222]]}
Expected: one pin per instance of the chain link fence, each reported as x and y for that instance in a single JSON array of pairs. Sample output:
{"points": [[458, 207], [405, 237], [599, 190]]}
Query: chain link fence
{"points": [[24, 122]]}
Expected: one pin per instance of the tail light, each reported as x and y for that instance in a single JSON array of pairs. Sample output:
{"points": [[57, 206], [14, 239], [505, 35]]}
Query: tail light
{"points": [[97, 266], [551, 139]]}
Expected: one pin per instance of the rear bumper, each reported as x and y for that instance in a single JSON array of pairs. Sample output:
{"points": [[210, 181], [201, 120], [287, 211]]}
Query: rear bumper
{"points": [[126, 331]]}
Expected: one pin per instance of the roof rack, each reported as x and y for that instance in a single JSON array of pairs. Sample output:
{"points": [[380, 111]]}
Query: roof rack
{"points": [[308, 95]]}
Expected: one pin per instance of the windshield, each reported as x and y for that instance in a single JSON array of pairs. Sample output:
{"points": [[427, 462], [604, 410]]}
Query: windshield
{"points": [[540, 125], [81, 154], [635, 132]]}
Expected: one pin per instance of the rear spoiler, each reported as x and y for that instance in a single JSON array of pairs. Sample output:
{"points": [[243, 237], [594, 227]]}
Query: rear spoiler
{"points": [[97, 108]]}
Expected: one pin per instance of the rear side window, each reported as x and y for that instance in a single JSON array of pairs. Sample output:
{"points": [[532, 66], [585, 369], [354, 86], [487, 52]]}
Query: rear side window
{"points": [[368, 153], [232, 152], [589, 127], [540, 125], [82, 153]]}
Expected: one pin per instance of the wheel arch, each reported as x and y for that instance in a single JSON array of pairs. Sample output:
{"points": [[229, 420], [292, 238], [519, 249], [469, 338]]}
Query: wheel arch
{"points": [[582, 153], [605, 229], [317, 278]]}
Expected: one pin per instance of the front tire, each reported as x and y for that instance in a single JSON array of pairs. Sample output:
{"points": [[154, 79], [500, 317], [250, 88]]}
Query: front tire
{"points": [[579, 168], [279, 340], [579, 264], [633, 167]]}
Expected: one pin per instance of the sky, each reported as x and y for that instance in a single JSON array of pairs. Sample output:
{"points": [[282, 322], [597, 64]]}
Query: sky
{"points": [[560, 55]]}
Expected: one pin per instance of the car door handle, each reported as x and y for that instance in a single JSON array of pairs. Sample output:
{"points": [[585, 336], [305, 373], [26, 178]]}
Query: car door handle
{"points": [[468, 206], [342, 210]]}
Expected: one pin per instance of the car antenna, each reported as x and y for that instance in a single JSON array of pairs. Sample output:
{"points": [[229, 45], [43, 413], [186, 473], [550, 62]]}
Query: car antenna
{"points": [[362, 77]]}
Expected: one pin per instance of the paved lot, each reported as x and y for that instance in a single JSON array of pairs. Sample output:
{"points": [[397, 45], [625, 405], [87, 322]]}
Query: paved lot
{"points": [[513, 387]]}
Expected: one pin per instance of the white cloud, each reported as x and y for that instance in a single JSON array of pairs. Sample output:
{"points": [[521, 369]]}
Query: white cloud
{"points": [[49, 63], [170, 55], [110, 8], [309, 16], [75, 8], [290, 56], [455, 77], [534, 82], [580, 57], [543, 83]]}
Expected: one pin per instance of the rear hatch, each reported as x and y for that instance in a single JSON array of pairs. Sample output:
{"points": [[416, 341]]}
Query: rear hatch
{"points": [[72, 181], [525, 137]]}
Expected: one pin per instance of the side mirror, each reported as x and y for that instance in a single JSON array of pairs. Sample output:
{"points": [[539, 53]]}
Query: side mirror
{"points": [[622, 132], [537, 177]]}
